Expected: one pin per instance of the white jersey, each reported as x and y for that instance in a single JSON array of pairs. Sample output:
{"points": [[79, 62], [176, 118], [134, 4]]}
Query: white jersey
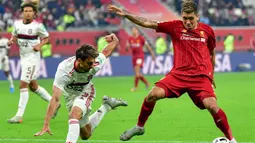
{"points": [[3, 47], [73, 83], [28, 36]]}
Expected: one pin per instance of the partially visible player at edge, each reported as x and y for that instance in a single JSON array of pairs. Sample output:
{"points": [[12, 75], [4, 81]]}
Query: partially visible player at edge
{"points": [[30, 36], [136, 42], [73, 79], [193, 69], [4, 60]]}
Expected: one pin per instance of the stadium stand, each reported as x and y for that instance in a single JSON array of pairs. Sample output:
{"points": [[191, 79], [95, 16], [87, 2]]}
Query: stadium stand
{"points": [[91, 19]]}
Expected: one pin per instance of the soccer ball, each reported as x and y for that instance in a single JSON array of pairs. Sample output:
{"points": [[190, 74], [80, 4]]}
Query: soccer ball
{"points": [[221, 140]]}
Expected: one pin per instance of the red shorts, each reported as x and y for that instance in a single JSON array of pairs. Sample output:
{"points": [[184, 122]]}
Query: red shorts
{"points": [[198, 88], [137, 62]]}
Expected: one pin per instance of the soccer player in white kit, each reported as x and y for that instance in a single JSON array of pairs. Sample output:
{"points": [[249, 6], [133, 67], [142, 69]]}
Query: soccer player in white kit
{"points": [[30, 36], [73, 79], [4, 61]]}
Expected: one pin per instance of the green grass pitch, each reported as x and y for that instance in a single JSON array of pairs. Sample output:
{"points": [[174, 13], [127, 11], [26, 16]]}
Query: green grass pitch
{"points": [[172, 120]]}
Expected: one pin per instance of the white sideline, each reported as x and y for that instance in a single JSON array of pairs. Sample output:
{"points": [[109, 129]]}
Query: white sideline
{"points": [[106, 141]]}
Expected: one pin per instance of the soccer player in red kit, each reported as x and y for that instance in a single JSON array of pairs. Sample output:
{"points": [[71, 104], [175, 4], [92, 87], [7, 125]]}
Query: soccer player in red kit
{"points": [[136, 42], [193, 69]]}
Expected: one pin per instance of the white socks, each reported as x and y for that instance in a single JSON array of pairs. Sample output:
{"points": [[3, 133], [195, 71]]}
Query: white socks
{"points": [[10, 80], [96, 117], [43, 93], [73, 131], [22, 101]]}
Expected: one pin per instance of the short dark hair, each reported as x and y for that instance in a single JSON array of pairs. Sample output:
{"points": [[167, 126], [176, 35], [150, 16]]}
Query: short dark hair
{"points": [[25, 4], [86, 51], [189, 6]]}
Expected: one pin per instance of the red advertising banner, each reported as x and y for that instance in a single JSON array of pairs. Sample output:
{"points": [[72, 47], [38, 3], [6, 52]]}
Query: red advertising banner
{"points": [[65, 43], [243, 37]]}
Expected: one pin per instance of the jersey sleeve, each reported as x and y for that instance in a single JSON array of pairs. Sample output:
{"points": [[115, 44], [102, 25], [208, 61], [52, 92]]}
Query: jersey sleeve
{"points": [[61, 79], [166, 27], [100, 60], [42, 32]]}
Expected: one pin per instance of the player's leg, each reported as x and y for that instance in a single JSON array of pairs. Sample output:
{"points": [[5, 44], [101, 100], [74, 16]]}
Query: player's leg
{"points": [[141, 77], [163, 89], [108, 103], [6, 68], [23, 99], [37, 89], [144, 80], [147, 107], [202, 94], [74, 126], [137, 67], [219, 117]]}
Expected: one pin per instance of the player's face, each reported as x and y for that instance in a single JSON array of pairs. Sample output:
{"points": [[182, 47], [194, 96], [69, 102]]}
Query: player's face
{"points": [[28, 13], [190, 20], [134, 31], [87, 64]]}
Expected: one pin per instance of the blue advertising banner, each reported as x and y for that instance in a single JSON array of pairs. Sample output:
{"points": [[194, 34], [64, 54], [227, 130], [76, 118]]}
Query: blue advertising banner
{"points": [[122, 66]]}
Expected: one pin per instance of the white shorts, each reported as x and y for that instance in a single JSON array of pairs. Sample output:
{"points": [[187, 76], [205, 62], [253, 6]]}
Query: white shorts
{"points": [[4, 64], [29, 72], [84, 102]]}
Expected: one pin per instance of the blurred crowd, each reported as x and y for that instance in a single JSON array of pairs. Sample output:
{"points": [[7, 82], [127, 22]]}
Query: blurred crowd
{"points": [[221, 12], [61, 14]]}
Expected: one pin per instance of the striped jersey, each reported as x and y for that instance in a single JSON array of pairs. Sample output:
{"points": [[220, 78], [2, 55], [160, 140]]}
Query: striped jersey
{"points": [[28, 36], [73, 83]]}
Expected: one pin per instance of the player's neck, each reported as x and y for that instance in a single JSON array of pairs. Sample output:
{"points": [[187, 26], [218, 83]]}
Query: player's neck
{"points": [[135, 36], [27, 21]]}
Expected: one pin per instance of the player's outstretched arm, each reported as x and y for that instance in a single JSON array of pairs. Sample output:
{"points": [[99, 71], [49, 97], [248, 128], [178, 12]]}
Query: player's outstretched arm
{"points": [[113, 42], [135, 19], [53, 105]]}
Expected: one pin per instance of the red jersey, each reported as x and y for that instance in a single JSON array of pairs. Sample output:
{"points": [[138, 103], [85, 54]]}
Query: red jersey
{"points": [[192, 48], [136, 45]]}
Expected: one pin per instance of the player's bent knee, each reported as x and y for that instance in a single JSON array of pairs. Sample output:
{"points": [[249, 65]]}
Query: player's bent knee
{"points": [[85, 132], [33, 86], [74, 114], [155, 94], [211, 105]]}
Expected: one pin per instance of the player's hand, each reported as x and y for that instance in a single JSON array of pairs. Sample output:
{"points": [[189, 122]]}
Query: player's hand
{"points": [[37, 48], [214, 85], [10, 42], [110, 38], [153, 58], [45, 129], [115, 9]]}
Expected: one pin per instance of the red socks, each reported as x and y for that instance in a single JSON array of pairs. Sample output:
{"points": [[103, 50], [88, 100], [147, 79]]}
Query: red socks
{"points": [[221, 122], [145, 112]]}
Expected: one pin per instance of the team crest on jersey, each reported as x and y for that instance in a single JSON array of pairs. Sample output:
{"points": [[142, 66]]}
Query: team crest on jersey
{"points": [[184, 30], [202, 33], [138, 41]]}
